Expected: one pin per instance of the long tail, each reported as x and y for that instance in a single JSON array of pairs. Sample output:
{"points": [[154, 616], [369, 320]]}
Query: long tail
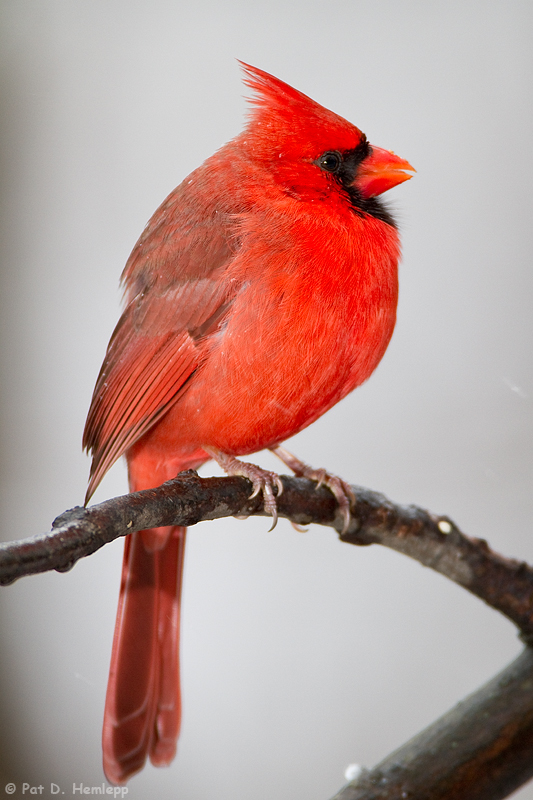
{"points": [[143, 704]]}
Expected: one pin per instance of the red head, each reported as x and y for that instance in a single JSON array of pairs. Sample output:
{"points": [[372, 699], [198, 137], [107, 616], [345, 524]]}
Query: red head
{"points": [[312, 149]]}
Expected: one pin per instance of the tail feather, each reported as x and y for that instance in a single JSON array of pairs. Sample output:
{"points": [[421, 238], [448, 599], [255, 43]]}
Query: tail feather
{"points": [[168, 710], [143, 705]]}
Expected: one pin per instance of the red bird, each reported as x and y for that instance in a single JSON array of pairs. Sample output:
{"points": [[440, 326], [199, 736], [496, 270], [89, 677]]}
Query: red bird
{"points": [[260, 293]]}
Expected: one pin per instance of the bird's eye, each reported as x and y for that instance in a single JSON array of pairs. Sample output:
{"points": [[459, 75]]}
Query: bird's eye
{"points": [[330, 162]]}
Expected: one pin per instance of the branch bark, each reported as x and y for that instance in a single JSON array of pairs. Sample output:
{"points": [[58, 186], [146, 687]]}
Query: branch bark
{"points": [[482, 749], [434, 540]]}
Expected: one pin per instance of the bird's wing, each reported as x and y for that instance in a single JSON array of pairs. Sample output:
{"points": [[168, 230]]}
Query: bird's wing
{"points": [[178, 296]]}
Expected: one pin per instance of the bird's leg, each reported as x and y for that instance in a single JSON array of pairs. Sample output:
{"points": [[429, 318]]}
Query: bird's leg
{"points": [[262, 480], [341, 490]]}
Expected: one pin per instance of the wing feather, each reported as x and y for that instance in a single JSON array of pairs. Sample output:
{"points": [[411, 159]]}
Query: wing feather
{"points": [[178, 294], [131, 399]]}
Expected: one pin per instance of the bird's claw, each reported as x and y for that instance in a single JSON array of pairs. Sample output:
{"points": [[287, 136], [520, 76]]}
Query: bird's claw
{"points": [[341, 490], [343, 494], [263, 481]]}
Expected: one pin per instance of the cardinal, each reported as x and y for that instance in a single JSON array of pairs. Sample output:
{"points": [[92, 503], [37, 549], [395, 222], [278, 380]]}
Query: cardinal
{"points": [[261, 292]]}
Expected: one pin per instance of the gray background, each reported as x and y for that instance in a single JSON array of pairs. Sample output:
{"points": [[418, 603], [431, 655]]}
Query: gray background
{"points": [[300, 654]]}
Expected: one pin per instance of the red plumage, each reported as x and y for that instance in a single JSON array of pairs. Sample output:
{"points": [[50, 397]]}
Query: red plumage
{"points": [[260, 293]]}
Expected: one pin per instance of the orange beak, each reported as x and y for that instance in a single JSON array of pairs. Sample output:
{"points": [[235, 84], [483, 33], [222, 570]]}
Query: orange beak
{"points": [[380, 171]]}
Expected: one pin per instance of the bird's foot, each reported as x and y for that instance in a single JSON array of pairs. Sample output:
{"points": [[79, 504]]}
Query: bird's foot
{"points": [[262, 480], [341, 490]]}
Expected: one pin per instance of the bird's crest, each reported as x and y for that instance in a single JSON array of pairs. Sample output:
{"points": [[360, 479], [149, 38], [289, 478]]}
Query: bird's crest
{"points": [[279, 109]]}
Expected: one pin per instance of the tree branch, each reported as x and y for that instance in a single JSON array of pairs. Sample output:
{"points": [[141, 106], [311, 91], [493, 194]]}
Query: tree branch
{"points": [[435, 541], [482, 749]]}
